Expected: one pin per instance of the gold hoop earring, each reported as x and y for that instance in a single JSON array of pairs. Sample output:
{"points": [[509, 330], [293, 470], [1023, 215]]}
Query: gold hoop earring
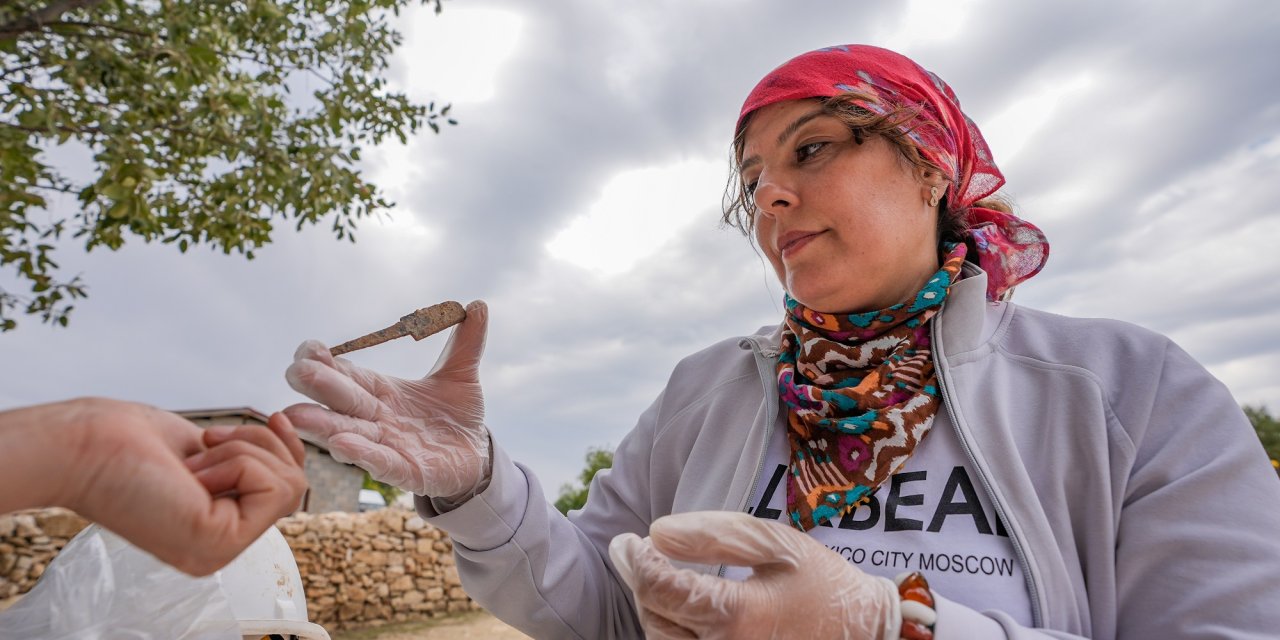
{"points": [[933, 196]]}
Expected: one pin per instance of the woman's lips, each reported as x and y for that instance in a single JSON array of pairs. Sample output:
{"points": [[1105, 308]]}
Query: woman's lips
{"points": [[794, 241]]}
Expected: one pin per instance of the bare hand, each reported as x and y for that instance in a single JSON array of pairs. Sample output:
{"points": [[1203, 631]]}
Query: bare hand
{"points": [[195, 499]]}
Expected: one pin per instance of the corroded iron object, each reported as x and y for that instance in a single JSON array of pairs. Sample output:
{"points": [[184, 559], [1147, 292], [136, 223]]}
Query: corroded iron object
{"points": [[419, 324]]}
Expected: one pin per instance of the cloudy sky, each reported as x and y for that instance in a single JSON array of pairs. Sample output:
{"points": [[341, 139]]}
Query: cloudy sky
{"points": [[580, 196]]}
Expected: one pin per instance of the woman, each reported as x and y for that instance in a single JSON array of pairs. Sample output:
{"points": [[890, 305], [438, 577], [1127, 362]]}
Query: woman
{"points": [[1033, 475]]}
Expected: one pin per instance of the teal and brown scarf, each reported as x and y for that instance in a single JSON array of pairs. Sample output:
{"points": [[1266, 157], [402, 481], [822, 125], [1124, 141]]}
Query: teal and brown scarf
{"points": [[861, 394]]}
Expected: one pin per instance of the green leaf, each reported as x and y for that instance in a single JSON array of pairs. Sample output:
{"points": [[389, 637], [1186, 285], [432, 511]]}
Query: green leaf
{"points": [[270, 10], [116, 191], [202, 55], [33, 119], [120, 210]]}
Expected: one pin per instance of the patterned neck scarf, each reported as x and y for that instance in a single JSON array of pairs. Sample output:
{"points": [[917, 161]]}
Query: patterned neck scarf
{"points": [[861, 392]]}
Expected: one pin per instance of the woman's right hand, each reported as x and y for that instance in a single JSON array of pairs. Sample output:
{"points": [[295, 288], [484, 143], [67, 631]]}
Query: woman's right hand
{"points": [[425, 436]]}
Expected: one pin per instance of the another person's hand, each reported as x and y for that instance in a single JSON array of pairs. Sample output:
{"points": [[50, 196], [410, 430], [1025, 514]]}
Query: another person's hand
{"points": [[193, 498], [425, 436], [800, 589]]}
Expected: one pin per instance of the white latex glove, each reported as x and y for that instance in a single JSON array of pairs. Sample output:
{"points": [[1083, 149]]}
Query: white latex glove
{"points": [[800, 589], [424, 436]]}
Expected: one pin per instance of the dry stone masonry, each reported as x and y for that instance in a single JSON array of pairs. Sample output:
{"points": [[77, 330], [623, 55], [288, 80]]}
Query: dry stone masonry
{"points": [[358, 569]]}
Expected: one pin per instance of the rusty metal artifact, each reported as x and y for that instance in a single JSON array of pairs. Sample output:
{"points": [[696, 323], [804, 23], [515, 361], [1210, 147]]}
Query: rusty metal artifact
{"points": [[419, 324]]}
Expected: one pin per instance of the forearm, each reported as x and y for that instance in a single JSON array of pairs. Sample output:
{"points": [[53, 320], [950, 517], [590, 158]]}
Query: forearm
{"points": [[38, 450], [529, 565]]}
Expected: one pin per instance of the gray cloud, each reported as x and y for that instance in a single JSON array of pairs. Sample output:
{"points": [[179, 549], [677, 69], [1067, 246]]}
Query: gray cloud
{"points": [[1155, 184]]}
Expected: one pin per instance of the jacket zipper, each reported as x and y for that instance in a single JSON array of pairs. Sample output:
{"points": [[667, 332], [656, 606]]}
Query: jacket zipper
{"points": [[771, 412], [963, 434]]}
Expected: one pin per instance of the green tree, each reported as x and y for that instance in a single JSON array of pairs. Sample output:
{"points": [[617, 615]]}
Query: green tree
{"points": [[1268, 428], [574, 496], [205, 123], [388, 492]]}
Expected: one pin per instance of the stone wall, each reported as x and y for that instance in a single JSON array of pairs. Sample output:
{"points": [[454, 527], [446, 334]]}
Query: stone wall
{"points": [[331, 485], [28, 541], [358, 569], [364, 569]]}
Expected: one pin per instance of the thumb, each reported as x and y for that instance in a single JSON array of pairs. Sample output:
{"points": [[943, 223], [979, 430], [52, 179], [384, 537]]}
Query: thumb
{"points": [[461, 356], [727, 537]]}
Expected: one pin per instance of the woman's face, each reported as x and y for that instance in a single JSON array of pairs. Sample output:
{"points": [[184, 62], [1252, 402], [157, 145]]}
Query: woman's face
{"points": [[846, 226]]}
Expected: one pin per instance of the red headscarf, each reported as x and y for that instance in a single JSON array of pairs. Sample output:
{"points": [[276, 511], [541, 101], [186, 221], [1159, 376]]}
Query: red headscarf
{"points": [[1008, 248]]}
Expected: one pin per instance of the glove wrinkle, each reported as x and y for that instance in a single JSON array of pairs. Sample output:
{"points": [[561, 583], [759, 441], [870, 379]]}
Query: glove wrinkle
{"points": [[799, 588], [425, 436]]}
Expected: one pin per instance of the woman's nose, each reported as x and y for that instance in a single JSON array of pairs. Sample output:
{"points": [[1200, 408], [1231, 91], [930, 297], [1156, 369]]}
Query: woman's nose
{"points": [[773, 196]]}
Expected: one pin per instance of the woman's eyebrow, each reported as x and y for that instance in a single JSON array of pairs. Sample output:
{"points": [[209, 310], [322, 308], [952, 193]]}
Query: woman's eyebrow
{"points": [[797, 123], [782, 137]]}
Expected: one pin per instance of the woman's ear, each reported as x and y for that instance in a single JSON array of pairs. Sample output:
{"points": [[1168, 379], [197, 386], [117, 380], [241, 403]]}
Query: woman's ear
{"points": [[932, 185]]}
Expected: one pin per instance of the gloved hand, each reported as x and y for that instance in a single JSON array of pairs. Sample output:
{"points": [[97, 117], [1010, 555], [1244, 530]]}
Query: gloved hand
{"points": [[424, 436], [800, 588]]}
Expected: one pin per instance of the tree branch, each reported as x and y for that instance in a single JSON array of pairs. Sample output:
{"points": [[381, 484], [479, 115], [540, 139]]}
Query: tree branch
{"points": [[38, 19], [56, 128], [286, 67], [54, 187], [107, 27]]}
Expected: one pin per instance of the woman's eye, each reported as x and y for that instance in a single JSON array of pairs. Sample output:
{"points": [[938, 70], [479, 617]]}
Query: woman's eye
{"points": [[807, 150], [751, 187]]}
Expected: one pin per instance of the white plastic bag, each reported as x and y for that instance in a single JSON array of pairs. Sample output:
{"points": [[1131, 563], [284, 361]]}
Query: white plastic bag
{"points": [[100, 587]]}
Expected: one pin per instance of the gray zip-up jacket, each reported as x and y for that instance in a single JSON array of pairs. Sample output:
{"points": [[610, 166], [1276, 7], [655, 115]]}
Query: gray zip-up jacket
{"points": [[1137, 497]]}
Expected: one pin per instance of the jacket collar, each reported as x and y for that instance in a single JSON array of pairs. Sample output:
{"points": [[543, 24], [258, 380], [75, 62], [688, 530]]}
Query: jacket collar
{"points": [[959, 324]]}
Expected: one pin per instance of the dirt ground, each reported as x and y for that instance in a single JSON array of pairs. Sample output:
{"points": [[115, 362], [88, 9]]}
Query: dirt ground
{"points": [[478, 625], [467, 626]]}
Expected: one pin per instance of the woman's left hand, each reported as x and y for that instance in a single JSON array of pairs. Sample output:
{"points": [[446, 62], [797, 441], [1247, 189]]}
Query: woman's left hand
{"points": [[800, 588]]}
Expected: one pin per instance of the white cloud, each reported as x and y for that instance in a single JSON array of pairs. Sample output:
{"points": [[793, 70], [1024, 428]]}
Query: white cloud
{"points": [[458, 53], [1252, 380], [637, 211], [928, 22], [1009, 131]]}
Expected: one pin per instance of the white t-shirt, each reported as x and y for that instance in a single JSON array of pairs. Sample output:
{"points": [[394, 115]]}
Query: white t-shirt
{"points": [[933, 516]]}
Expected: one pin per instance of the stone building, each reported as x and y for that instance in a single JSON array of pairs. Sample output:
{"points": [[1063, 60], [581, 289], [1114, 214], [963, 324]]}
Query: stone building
{"points": [[333, 486]]}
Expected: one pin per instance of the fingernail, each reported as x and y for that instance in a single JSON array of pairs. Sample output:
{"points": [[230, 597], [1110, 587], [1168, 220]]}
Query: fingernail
{"points": [[620, 551]]}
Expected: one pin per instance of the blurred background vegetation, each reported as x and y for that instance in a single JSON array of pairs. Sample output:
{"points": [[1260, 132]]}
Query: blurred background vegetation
{"points": [[574, 496]]}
